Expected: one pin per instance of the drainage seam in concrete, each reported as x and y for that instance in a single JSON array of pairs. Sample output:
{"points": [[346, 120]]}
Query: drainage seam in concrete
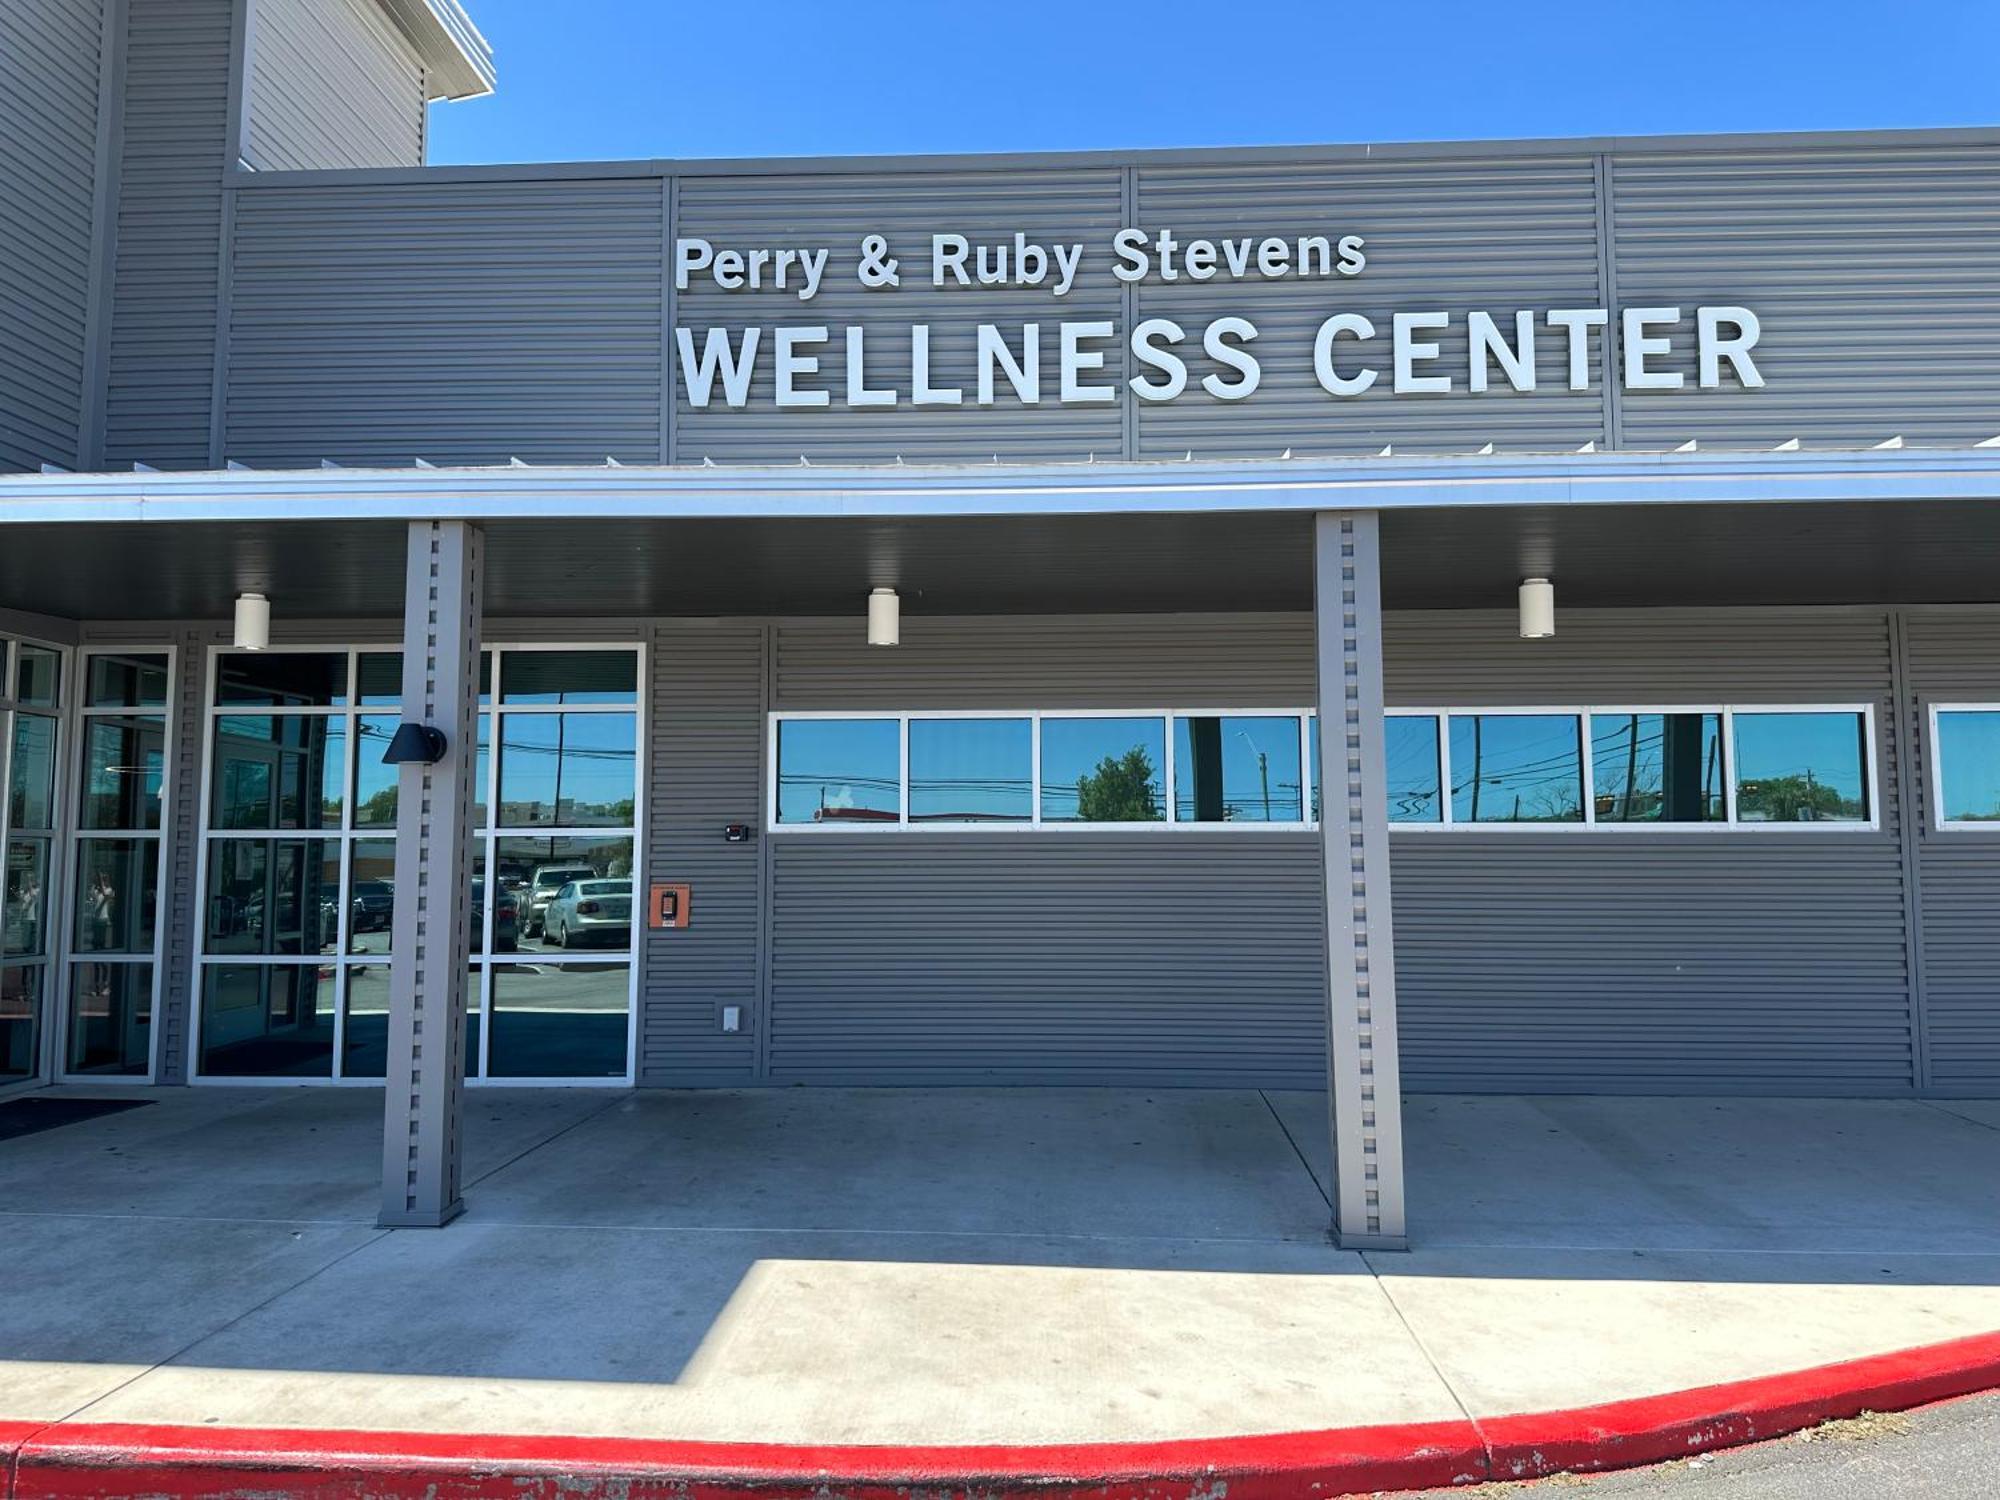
{"points": [[374, 1239], [1286, 1131], [925, 1234], [1946, 1109], [1367, 1259], [617, 1099]]}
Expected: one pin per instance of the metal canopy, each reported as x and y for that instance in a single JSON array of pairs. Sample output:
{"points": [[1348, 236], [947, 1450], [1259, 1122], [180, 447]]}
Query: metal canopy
{"points": [[1832, 553]]}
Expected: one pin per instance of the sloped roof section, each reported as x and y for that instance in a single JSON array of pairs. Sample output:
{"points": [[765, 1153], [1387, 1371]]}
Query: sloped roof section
{"points": [[458, 61]]}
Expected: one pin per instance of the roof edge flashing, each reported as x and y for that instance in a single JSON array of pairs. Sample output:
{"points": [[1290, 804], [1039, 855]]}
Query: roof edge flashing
{"points": [[457, 58]]}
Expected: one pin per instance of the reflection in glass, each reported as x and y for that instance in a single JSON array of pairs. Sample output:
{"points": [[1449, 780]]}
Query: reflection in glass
{"points": [[567, 770], [272, 896], [20, 1015], [482, 770], [110, 1018], [31, 799], [364, 1049], [1103, 770], [531, 871], [282, 679], [559, 1020], [1657, 768], [839, 771], [1516, 768], [1801, 768], [972, 770], [1242, 769], [117, 894], [127, 681], [475, 1014], [124, 766], [267, 1020], [37, 677], [371, 897], [569, 677], [374, 782], [379, 678], [24, 909], [1968, 752], [279, 771], [1410, 753]]}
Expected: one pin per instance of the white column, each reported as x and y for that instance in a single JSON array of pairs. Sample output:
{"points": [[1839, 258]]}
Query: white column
{"points": [[424, 1096], [1364, 1083]]}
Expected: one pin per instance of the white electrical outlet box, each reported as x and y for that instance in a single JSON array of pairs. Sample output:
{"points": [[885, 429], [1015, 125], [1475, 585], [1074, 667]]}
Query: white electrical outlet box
{"points": [[732, 1018]]}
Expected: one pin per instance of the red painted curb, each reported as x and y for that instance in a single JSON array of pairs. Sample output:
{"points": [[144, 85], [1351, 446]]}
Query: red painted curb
{"points": [[108, 1461]]}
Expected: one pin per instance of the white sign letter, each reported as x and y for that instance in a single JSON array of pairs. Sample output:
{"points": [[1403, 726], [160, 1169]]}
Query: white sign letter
{"points": [[1025, 377], [690, 256], [1329, 378], [1410, 350], [1144, 351], [1518, 364], [792, 364], [1241, 360], [699, 374], [1578, 321], [1639, 344], [1076, 359], [922, 392], [1714, 348], [858, 393]]}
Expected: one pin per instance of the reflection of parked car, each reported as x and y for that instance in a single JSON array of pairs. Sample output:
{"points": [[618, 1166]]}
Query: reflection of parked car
{"points": [[373, 907], [506, 917], [590, 911], [542, 888]]}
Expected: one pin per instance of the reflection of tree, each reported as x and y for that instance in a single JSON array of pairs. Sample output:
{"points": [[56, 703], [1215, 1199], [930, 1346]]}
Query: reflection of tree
{"points": [[1120, 790], [379, 811], [1793, 799]]}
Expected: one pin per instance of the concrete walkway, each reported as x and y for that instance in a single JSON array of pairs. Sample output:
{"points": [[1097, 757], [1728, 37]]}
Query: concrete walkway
{"points": [[968, 1266]]}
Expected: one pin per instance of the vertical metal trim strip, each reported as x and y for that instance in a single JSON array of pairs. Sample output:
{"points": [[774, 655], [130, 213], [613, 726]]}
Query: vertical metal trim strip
{"points": [[1906, 736], [670, 217], [1607, 288], [766, 858], [1129, 314], [103, 235]]}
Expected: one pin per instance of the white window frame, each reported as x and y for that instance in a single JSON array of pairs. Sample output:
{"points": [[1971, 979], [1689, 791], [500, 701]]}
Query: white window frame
{"points": [[481, 960], [1588, 823], [80, 715], [1034, 823], [1939, 821]]}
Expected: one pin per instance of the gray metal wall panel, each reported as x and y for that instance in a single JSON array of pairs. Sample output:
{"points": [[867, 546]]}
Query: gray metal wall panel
{"points": [[49, 60], [169, 224], [458, 322], [1757, 961], [332, 83], [1954, 657], [1496, 235], [837, 212], [1874, 272], [705, 770]]}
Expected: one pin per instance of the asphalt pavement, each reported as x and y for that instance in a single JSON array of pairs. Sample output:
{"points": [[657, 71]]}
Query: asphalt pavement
{"points": [[1950, 1451]]}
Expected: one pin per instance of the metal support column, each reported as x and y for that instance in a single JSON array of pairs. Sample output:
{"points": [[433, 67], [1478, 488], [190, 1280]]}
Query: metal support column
{"points": [[423, 1105], [1364, 1079]]}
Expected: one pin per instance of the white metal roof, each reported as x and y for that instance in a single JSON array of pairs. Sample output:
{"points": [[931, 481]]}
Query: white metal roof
{"points": [[458, 61]]}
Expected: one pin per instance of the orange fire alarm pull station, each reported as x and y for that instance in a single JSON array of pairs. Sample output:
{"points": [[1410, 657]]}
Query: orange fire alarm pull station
{"points": [[669, 905]]}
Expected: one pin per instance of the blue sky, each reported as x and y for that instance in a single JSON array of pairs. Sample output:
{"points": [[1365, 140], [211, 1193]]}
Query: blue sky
{"points": [[603, 79]]}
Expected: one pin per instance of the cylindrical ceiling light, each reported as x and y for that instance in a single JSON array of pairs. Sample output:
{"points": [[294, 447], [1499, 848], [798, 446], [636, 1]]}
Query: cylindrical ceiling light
{"points": [[885, 618], [1538, 609], [253, 622]]}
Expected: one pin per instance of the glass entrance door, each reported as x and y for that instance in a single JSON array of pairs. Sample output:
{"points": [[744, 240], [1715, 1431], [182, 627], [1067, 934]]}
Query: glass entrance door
{"points": [[31, 688]]}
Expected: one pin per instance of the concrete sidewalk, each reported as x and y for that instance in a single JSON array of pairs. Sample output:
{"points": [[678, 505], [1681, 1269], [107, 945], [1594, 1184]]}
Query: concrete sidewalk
{"points": [[969, 1266]]}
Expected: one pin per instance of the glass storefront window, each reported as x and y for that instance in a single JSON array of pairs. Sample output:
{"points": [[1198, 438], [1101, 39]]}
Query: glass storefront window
{"points": [[282, 679], [124, 773], [272, 896], [278, 771], [371, 897], [972, 770], [1410, 756], [1805, 767], [374, 782], [1657, 768], [20, 1020], [110, 1019], [1516, 768], [378, 678], [559, 1020], [1103, 770], [117, 895], [1965, 745], [553, 677], [267, 1021], [839, 771], [1240, 769], [24, 911], [31, 796], [567, 770], [37, 676], [127, 680]]}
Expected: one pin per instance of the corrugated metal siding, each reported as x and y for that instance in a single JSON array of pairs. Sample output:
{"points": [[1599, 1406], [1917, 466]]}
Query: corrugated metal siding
{"points": [[1453, 235], [1060, 958], [837, 212], [332, 84], [1753, 962], [176, 129], [356, 336], [1954, 657], [1874, 272], [49, 59], [705, 771]]}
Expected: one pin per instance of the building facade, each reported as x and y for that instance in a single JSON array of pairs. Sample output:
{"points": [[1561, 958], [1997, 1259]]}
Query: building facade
{"points": [[1224, 741]]}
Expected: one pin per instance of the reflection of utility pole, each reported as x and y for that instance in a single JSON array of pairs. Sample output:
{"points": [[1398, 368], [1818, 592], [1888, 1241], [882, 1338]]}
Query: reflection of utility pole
{"points": [[1478, 724], [1263, 770], [1631, 763]]}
